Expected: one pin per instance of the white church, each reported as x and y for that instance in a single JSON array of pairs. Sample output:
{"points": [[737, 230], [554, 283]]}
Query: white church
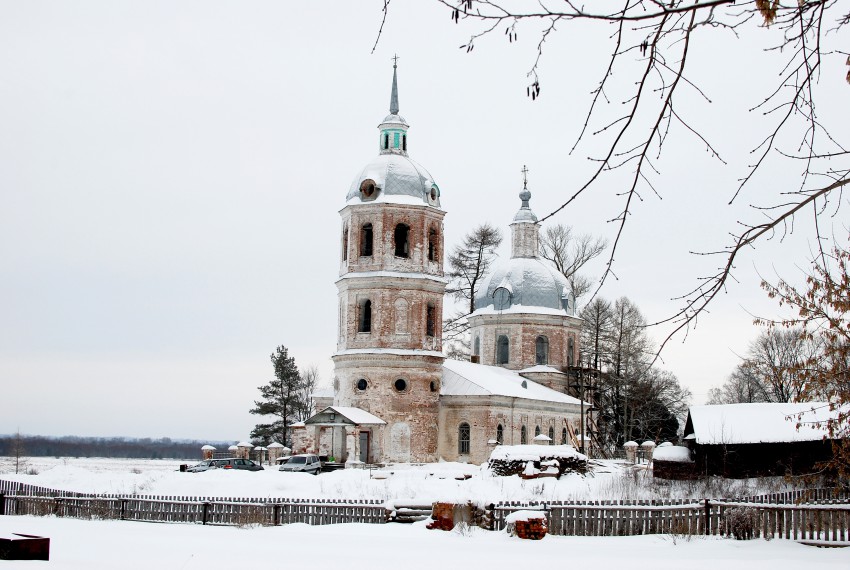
{"points": [[396, 397]]}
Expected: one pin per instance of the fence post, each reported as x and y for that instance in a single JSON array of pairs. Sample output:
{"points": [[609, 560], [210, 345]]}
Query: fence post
{"points": [[206, 511], [123, 509], [276, 514], [707, 517]]}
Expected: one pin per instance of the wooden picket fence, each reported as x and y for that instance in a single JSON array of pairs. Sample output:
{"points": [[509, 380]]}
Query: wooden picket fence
{"points": [[824, 520], [233, 513], [812, 514]]}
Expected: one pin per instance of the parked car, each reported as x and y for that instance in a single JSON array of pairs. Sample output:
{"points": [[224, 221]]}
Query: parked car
{"points": [[228, 463], [303, 463]]}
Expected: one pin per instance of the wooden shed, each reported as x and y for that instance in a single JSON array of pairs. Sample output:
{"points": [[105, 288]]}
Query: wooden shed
{"points": [[752, 440]]}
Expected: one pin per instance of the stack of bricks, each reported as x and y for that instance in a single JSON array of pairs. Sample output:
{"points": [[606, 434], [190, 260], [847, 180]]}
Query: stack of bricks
{"points": [[529, 524], [443, 517], [532, 529]]}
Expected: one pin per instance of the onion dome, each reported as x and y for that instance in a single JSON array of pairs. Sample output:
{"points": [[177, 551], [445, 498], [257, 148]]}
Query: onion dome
{"points": [[525, 283], [393, 176]]}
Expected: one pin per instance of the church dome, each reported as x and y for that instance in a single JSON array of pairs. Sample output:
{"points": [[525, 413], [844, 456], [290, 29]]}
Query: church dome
{"points": [[524, 284], [394, 178]]}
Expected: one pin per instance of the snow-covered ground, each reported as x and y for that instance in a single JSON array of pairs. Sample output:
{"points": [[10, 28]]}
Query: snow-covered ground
{"points": [[86, 544], [438, 481]]}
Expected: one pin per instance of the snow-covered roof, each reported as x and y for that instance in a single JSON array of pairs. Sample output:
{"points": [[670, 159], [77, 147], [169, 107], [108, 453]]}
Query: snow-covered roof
{"points": [[207, 448], [461, 378], [541, 368], [397, 179], [391, 274], [758, 423], [534, 284], [393, 351], [244, 444], [675, 453], [275, 445], [348, 415], [533, 452], [323, 393]]}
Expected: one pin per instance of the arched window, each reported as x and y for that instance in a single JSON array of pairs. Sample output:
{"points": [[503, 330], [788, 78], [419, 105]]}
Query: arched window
{"points": [[502, 350], [345, 242], [463, 439], [541, 350], [432, 245], [404, 142], [386, 140], [571, 347], [476, 346], [564, 436], [401, 234], [523, 435], [365, 320], [431, 321], [500, 434], [551, 435], [366, 240], [536, 431]]}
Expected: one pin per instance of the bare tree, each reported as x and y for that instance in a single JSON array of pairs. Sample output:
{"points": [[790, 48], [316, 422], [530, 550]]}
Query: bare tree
{"points": [[776, 359], [17, 451], [468, 264], [570, 253], [595, 332], [304, 400], [823, 318], [651, 49], [742, 387]]}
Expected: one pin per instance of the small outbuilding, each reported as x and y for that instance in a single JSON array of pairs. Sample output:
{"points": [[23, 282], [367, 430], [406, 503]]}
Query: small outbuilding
{"points": [[752, 440]]}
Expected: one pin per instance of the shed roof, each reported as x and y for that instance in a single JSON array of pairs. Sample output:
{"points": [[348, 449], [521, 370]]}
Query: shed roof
{"points": [[469, 379], [342, 415], [758, 423]]}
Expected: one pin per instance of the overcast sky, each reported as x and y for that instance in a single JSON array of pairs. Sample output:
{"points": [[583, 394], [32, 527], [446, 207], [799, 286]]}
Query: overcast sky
{"points": [[171, 175]]}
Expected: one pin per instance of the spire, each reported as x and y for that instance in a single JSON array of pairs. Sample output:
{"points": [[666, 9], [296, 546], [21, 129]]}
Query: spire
{"points": [[525, 231], [393, 128], [394, 95]]}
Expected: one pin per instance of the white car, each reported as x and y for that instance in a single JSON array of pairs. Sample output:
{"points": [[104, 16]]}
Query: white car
{"points": [[303, 463]]}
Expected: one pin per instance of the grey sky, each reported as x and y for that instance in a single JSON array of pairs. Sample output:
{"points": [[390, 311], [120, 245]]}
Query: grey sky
{"points": [[171, 173]]}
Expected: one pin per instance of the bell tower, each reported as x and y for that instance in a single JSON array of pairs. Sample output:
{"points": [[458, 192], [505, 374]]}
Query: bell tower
{"points": [[390, 289]]}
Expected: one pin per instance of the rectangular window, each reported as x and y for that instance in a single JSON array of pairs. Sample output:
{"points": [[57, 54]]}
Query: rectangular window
{"points": [[431, 321]]}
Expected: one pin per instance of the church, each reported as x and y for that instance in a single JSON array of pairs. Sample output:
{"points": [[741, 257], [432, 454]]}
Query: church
{"points": [[396, 397]]}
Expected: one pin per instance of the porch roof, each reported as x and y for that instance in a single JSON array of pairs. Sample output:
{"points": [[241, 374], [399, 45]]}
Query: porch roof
{"points": [[344, 416]]}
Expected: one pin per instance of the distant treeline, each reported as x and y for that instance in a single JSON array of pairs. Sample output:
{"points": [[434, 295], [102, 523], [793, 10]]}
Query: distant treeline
{"points": [[73, 446]]}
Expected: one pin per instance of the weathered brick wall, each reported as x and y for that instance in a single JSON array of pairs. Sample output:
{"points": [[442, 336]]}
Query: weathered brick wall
{"points": [[522, 331], [416, 407], [400, 296], [384, 218], [398, 315], [485, 413]]}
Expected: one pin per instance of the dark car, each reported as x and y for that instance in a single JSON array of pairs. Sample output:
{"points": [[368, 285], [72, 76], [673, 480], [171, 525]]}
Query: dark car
{"points": [[229, 463]]}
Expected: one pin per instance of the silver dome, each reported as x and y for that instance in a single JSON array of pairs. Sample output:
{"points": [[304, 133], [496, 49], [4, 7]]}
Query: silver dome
{"points": [[532, 283], [395, 175]]}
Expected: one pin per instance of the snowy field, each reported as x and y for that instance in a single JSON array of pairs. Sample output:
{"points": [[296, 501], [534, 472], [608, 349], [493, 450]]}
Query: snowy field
{"points": [[86, 544], [83, 545], [438, 481]]}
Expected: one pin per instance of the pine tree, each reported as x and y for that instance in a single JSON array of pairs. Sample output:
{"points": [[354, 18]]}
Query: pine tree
{"points": [[279, 399]]}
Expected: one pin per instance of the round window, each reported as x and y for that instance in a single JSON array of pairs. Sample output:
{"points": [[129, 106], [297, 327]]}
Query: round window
{"points": [[362, 384], [433, 386], [400, 385], [368, 187]]}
